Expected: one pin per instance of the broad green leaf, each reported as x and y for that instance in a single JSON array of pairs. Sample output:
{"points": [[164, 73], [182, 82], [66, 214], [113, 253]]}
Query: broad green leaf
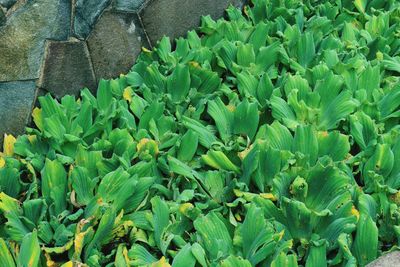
{"points": [[199, 253], [184, 258], [233, 261], [365, 245], [102, 233], [83, 185], [111, 185], [89, 160], [140, 256], [121, 259], [389, 105], [246, 119], [268, 55], [317, 255], [278, 136], [29, 254], [9, 181], [218, 160], [306, 49], [382, 161], [161, 221], [179, 167], [214, 235], [223, 117], [305, 141], [338, 110], [264, 89], [333, 144], [154, 111], [299, 83], [246, 55], [284, 260], [325, 183], [257, 236], [282, 111], [370, 80], [54, 185], [247, 84], [104, 95], [178, 84], [206, 137], [154, 79], [5, 254], [188, 146], [259, 37], [363, 129]]}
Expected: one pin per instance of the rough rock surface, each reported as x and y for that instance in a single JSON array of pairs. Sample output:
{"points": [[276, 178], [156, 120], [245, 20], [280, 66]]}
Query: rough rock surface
{"points": [[7, 3], [86, 14], [34, 46], [115, 43], [66, 68], [23, 37], [174, 18], [389, 260], [128, 5], [15, 102]]}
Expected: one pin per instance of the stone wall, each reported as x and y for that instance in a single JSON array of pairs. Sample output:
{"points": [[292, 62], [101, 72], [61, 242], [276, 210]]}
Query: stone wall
{"points": [[62, 46]]}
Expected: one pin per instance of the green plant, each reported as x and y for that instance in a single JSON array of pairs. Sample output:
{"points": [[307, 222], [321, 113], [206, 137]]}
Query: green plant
{"points": [[270, 139]]}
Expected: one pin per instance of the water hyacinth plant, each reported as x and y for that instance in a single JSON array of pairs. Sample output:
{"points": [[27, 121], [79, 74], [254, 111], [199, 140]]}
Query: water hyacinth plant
{"points": [[269, 138]]}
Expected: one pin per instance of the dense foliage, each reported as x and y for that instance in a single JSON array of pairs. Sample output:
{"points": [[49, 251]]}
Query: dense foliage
{"points": [[270, 138]]}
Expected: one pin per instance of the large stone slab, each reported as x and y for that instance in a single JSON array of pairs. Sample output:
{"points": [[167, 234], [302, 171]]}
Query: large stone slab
{"points": [[86, 15], [389, 260], [16, 100], [128, 5], [66, 68], [23, 37], [7, 3], [115, 42], [174, 18]]}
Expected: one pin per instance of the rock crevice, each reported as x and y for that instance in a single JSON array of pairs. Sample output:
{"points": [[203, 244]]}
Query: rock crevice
{"points": [[62, 46]]}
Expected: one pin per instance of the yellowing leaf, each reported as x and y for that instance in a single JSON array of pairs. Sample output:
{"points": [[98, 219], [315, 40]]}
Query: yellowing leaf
{"points": [[38, 117], [144, 49], [185, 207], [2, 162], [147, 145], [360, 5], [355, 212], [5, 255], [8, 146], [161, 263], [128, 92], [49, 261], [268, 196], [68, 264]]}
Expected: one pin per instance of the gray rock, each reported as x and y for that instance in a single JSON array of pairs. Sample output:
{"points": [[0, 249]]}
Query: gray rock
{"points": [[23, 37], [86, 14], [16, 103], [391, 259], [66, 68], [174, 18], [128, 5], [7, 3], [115, 43]]}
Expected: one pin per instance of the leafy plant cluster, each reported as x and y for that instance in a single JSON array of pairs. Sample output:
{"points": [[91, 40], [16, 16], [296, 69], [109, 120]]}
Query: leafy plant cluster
{"points": [[270, 138]]}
